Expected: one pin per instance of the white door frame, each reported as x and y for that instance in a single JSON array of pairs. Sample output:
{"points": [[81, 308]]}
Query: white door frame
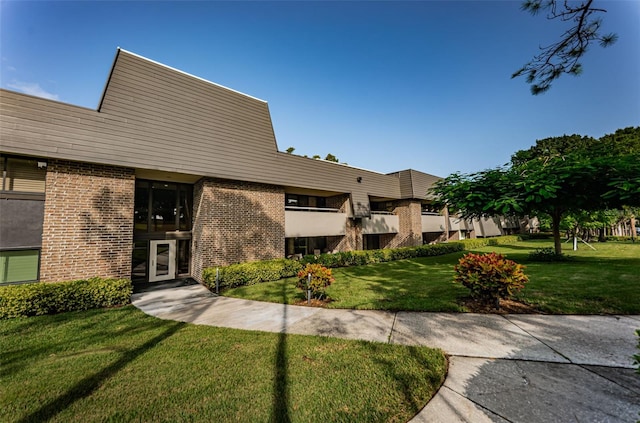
{"points": [[153, 260]]}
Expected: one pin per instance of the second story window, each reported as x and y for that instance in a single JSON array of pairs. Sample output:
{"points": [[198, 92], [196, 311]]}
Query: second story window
{"points": [[306, 201], [23, 175]]}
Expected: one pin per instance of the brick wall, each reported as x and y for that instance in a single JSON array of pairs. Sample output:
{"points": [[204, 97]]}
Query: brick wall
{"points": [[235, 222], [88, 221], [410, 232], [352, 240]]}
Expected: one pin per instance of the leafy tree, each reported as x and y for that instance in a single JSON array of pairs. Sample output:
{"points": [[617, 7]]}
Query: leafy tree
{"points": [[331, 158], [571, 175], [564, 55], [290, 150]]}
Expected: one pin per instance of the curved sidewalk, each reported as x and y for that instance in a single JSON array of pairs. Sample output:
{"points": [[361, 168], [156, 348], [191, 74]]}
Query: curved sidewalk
{"points": [[503, 368]]}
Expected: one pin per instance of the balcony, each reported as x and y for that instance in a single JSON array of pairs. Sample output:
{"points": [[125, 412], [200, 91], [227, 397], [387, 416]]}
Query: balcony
{"points": [[432, 222], [380, 223], [313, 221]]}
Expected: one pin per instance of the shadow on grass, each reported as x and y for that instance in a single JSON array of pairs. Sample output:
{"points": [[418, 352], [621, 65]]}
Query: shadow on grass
{"points": [[280, 408], [89, 384]]}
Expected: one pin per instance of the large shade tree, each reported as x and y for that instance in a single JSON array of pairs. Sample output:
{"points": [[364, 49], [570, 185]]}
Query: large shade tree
{"points": [[559, 175]]}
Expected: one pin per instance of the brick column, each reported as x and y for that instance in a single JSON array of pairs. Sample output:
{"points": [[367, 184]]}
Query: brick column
{"points": [[235, 222], [410, 232], [88, 221]]}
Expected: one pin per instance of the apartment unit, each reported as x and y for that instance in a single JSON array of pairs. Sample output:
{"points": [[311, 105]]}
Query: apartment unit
{"points": [[172, 174]]}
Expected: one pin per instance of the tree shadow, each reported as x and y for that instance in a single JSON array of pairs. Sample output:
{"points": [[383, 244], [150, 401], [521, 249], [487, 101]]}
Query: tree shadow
{"points": [[280, 407], [89, 384]]}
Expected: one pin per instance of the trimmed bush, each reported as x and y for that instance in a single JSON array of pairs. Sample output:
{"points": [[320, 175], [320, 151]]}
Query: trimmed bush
{"points": [[251, 273], [321, 278], [470, 244], [547, 254], [270, 270], [359, 258], [537, 235], [34, 299], [490, 277]]}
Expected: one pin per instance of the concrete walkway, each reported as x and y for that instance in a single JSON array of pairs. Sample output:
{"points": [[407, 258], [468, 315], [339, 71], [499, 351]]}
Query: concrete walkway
{"points": [[503, 368]]}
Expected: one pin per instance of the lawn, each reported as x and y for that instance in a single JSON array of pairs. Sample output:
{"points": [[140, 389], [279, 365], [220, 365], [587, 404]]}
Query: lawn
{"points": [[593, 282], [122, 365]]}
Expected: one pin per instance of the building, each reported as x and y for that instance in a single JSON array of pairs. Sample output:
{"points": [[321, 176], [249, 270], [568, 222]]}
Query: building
{"points": [[172, 174]]}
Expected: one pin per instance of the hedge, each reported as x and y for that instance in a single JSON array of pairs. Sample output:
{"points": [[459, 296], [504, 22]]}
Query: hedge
{"points": [[270, 270], [362, 257], [251, 273], [254, 272], [34, 299], [483, 242]]}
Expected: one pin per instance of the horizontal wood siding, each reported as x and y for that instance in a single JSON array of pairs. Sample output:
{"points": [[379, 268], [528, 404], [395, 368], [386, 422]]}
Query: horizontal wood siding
{"points": [[153, 117]]}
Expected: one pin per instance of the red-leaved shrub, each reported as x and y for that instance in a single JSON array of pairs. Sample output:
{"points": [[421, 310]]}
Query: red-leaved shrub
{"points": [[321, 278], [490, 277]]}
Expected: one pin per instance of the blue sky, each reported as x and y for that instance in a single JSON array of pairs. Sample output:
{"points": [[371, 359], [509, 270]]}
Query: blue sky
{"points": [[381, 85]]}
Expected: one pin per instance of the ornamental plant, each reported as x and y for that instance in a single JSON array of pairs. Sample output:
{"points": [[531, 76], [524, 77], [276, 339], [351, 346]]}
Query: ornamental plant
{"points": [[321, 278], [490, 277]]}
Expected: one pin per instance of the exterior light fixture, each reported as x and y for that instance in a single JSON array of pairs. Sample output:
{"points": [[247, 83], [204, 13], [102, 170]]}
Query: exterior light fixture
{"points": [[359, 179]]}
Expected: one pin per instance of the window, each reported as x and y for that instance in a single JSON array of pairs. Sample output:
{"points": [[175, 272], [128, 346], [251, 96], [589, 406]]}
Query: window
{"points": [[23, 175], [19, 265], [310, 201], [162, 207], [430, 209], [382, 206]]}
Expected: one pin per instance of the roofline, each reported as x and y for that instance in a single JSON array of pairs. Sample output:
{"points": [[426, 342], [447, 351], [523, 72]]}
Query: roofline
{"points": [[334, 163], [106, 84], [188, 74]]}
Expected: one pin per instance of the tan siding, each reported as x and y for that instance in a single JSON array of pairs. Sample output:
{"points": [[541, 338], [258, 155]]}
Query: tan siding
{"points": [[153, 117]]}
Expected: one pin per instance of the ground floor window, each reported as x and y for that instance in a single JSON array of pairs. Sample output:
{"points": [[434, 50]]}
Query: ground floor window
{"points": [[371, 242], [306, 245], [19, 265]]}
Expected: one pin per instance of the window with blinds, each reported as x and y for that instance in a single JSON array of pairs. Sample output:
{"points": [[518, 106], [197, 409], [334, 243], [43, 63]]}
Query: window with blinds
{"points": [[23, 175], [19, 266]]}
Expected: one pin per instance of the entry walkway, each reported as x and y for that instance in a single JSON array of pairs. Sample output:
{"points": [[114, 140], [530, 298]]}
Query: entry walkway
{"points": [[503, 368]]}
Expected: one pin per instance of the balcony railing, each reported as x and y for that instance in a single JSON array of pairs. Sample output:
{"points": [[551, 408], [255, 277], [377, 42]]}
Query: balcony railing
{"points": [[381, 223], [432, 223], [305, 222]]}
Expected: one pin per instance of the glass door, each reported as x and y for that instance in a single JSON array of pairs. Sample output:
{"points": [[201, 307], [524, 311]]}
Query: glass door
{"points": [[162, 260]]}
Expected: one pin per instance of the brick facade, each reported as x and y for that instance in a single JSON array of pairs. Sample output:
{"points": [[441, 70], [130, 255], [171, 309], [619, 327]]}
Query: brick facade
{"points": [[88, 221], [235, 222], [410, 232]]}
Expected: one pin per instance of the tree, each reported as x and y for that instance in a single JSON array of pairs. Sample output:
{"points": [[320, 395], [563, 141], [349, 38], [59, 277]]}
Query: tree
{"points": [[557, 176], [290, 150], [564, 55], [331, 158]]}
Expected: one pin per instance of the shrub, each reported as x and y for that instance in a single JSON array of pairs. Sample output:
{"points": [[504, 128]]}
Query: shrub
{"points": [[547, 254], [470, 244], [537, 235], [321, 278], [34, 299], [358, 258], [251, 273], [490, 277]]}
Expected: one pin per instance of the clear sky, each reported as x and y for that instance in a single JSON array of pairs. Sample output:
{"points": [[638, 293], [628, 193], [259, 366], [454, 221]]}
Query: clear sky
{"points": [[384, 86]]}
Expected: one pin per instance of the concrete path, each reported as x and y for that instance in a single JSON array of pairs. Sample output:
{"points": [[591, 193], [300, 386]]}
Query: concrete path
{"points": [[503, 368]]}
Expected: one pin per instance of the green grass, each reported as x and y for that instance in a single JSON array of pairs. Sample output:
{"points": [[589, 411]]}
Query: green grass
{"points": [[593, 282], [605, 281], [122, 365]]}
